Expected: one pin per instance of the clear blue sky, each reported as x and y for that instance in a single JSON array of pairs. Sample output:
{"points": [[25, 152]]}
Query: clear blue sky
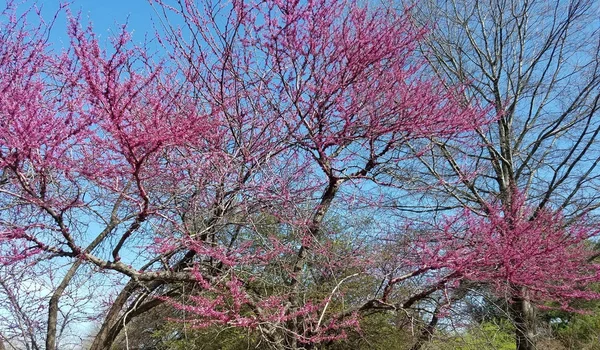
{"points": [[105, 15]]}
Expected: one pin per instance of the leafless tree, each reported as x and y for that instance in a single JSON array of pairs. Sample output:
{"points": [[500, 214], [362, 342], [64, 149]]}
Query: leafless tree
{"points": [[536, 63]]}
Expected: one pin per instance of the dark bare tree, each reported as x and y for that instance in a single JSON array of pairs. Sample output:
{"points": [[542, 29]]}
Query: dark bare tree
{"points": [[536, 63]]}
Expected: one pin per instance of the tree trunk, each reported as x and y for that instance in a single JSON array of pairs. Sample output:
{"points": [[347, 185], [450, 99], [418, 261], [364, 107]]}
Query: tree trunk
{"points": [[103, 341], [523, 314], [293, 325], [53, 306], [427, 332]]}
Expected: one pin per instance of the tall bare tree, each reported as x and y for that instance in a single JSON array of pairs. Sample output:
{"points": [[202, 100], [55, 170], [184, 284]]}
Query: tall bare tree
{"points": [[537, 64]]}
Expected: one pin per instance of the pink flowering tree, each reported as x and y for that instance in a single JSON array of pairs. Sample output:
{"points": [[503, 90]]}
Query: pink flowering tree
{"points": [[531, 258], [204, 179], [542, 147], [209, 178], [521, 254]]}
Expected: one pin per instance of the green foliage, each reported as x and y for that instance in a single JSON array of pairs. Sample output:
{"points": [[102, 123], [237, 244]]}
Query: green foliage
{"points": [[578, 331], [487, 336], [175, 337], [378, 332]]}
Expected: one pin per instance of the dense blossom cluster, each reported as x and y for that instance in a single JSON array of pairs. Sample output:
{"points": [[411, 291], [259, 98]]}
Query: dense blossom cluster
{"points": [[516, 250]]}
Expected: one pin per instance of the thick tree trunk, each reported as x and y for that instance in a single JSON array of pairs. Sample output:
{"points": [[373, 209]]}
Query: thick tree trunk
{"points": [[427, 332], [523, 314], [103, 339], [113, 323]]}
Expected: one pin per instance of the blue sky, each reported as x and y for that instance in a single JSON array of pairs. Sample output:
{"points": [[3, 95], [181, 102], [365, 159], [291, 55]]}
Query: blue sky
{"points": [[106, 17]]}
